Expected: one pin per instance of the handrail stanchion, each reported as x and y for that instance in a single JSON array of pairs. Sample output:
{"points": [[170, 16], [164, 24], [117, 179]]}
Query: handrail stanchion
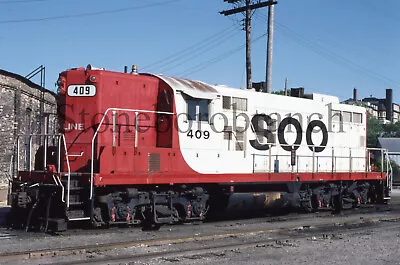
{"points": [[350, 160], [44, 152], [69, 169], [114, 130], [136, 130], [333, 160], [30, 153], [59, 154], [254, 158], [270, 159], [387, 163], [313, 160], [17, 154]]}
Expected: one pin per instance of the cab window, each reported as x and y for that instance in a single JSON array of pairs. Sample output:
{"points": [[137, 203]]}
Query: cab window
{"points": [[197, 109]]}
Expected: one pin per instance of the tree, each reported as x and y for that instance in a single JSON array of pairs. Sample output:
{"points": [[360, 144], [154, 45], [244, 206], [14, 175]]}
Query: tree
{"points": [[375, 130], [281, 92], [395, 168], [391, 130]]}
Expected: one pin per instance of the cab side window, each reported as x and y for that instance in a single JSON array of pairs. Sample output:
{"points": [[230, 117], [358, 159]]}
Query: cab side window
{"points": [[197, 109]]}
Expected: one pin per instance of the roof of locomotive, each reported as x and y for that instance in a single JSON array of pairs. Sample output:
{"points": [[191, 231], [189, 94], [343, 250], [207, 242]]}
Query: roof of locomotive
{"points": [[199, 89], [196, 89]]}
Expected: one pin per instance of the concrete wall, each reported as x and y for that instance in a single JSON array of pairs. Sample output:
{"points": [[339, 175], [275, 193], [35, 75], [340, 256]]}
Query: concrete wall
{"points": [[23, 106]]}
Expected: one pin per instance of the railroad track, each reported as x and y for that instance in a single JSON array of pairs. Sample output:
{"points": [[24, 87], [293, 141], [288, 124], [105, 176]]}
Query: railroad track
{"points": [[272, 218], [210, 243]]}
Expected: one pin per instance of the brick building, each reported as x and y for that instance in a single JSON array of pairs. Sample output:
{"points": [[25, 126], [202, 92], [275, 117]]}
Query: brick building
{"points": [[25, 108]]}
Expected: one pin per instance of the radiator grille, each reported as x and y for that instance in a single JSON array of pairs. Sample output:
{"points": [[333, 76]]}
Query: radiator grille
{"points": [[154, 162]]}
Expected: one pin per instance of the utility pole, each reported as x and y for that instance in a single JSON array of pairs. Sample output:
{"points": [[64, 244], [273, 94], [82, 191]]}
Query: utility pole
{"points": [[249, 83], [268, 76], [248, 6], [286, 86]]}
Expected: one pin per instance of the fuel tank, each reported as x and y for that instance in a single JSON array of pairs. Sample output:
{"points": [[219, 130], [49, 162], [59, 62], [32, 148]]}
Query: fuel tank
{"points": [[250, 204]]}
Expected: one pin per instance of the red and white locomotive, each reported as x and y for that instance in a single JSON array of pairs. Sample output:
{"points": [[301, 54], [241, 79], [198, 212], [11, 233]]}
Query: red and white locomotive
{"points": [[151, 149]]}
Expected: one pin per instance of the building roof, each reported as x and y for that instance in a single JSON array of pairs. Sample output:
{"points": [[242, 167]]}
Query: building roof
{"points": [[391, 144], [25, 81]]}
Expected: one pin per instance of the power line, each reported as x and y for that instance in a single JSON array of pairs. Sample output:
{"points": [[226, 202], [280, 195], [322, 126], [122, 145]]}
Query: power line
{"points": [[342, 60], [86, 14], [214, 60], [197, 52], [338, 59], [172, 58], [23, 1]]}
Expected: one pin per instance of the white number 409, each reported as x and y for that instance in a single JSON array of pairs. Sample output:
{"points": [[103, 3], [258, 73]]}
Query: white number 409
{"points": [[81, 90]]}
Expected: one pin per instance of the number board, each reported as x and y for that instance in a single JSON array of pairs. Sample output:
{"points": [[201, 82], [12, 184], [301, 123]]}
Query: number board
{"points": [[81, 90]]}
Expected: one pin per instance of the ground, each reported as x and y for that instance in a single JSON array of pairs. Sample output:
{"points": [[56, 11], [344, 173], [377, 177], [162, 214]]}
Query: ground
{"points": [[319, 238]]}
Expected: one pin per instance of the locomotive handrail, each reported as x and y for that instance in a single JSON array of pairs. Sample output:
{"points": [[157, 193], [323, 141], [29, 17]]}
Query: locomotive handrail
{"points": [[30, 136], [77, 155], [61, 137], [136, 111], [389, 173], [350, 157]]}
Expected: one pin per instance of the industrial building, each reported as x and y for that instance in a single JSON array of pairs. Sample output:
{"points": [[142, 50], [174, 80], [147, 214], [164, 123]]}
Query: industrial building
{"points": [[25, 108]]}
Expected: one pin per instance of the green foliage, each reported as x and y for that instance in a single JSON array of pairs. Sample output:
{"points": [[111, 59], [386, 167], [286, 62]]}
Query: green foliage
{"points": [[281, 92], [375, 130], [394, 165], [396, 169], [391, 130]]}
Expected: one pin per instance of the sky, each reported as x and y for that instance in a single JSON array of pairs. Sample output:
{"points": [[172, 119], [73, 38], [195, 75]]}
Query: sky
{"points": [[327, 47]]}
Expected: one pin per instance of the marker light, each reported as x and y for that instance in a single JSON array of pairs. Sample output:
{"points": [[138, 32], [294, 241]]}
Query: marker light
{"points": [[93, 79]]}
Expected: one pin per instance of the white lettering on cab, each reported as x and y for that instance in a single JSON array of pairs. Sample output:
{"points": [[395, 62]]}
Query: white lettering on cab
{"points": [[74, 126]]}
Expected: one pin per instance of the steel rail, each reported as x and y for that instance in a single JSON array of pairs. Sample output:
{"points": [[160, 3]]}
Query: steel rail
{"points": [[213, 250], [349, 226]]}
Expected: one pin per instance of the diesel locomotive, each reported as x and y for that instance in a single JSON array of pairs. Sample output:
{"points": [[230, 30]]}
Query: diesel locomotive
{"points": [[136, 148]]}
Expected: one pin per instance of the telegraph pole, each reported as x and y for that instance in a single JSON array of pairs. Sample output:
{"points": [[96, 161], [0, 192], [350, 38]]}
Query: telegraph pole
{"points": [[268, 76], [248, 6], [249, 83]]}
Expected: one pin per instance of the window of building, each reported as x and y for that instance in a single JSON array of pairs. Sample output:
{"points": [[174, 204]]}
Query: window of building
{"points": [[28, 120], [197, 109]]}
